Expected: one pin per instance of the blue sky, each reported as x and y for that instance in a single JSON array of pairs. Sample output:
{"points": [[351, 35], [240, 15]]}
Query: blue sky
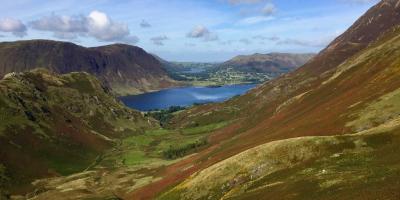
{"points": [[185, 30]]}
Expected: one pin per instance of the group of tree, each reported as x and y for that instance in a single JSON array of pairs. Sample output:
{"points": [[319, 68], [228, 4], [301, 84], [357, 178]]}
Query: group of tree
{"points": [[180, 151], [163, 116]]}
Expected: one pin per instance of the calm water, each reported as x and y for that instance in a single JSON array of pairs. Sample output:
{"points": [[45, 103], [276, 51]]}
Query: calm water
{"points": [[186, 96]]}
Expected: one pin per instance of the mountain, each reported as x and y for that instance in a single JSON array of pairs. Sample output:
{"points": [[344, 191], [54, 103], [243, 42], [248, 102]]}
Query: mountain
{"points": [[328, 130], [267, 63], [256, 68], [57, 125], [178, 68], [126, 69], [172, 68]]}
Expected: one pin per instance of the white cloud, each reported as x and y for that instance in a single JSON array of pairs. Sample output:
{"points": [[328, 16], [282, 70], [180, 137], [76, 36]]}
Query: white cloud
{"points": [[97, 24], [202, 32], [14, 26], [268, 9], [198, 31], [99, 19], [61, 24], [159, 40], [103, 28]]}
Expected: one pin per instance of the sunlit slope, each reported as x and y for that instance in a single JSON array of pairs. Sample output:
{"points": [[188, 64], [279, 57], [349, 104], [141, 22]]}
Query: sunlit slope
{"points": [[361, 166], [58, 124]]}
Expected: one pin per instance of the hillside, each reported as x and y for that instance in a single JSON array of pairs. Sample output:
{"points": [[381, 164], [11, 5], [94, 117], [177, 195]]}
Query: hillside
{"points": [[126, 69], [350, 87], [273, 63], [359, 166], [57, 125]]}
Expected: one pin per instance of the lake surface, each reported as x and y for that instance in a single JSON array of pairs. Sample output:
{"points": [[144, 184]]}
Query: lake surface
{"points": [[185, 96]]}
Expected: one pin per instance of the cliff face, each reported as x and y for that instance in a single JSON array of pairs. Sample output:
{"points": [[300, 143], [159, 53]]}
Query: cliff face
{"points": [[126, 69]]}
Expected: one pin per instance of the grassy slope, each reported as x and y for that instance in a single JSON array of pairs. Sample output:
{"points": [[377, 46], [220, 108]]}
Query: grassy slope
{"points": [[359, 166], [364, 165], [135, 161], [58, 124], [312, 101]]}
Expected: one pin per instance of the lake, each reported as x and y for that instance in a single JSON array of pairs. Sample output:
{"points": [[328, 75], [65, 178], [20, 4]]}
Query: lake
{"points": [[185, 96]]}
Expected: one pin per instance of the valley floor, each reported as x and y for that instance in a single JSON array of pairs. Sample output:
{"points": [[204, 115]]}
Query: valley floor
{"points": [[365, 165], [136, 161]]}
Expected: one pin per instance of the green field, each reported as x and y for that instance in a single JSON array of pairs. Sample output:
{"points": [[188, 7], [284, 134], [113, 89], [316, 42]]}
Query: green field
{"points": [[157, 146]]}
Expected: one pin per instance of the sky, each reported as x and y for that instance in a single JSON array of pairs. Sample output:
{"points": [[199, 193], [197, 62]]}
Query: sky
{"points": [[185, 30]]}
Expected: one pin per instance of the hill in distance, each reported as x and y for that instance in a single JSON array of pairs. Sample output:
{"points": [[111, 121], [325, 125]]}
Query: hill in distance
{"points": [[271, 63], [126, 69], [256, 68]]}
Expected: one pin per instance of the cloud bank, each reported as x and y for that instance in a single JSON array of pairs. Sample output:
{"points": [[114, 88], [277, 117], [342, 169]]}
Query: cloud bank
{"points": [[97, 25], [268, 9], [14, 26]]}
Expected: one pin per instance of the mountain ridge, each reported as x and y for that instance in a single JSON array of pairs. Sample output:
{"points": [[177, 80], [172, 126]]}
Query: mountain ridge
{"points": [[126, 69], [268, 63]]}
